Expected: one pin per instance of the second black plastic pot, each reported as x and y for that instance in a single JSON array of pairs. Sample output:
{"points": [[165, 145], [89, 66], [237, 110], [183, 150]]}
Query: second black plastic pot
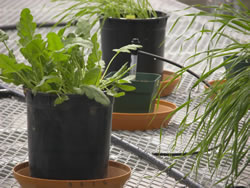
{"points": [[68, 141], [140, 100], [116, 33], [233, 69]]}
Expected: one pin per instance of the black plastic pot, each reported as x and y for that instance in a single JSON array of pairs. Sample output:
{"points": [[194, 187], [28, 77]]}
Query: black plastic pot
{"points": [[235, 69], [140, 100], [68, 141], [116, 33]]}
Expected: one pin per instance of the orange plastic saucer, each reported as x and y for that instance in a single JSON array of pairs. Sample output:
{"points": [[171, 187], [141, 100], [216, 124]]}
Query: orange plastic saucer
{"points": [[118, 174], [166, 77], [144, 121], [213, 83]]}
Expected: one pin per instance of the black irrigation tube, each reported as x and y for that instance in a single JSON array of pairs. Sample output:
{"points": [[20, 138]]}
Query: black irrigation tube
{"points": [[172, 63], [136, 52], [39, 25], [171, 172], [7, 92]]}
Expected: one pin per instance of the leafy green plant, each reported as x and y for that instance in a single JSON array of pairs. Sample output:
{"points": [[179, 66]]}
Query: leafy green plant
{"points": [[62, 63], [222, 122]]}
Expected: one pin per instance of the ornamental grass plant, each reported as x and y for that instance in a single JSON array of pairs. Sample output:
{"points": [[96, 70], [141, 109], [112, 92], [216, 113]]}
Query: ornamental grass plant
{"points": [[223, 122], [94, 9]]}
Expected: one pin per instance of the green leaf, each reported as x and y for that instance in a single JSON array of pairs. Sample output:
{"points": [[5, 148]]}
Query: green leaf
{"points": [[54, 42], [9, 65], [25, 27], [120, 73], [13, 72], [77, 41], [93, 92], [126, 79], [60, 99], [47, 80], [83, 28], [96, 54], [127, 48], [61, 32], [35, 52], [3, 36], [126, 87], [60, 56], [91, 76], [119, 94], [34, 49]]}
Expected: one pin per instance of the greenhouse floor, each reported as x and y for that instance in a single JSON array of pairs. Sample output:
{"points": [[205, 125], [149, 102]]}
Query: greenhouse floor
{"points": [[13, 132]]}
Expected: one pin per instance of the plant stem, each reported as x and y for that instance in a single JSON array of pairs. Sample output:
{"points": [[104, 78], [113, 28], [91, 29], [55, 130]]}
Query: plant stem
{"points": [[10, 52], [105, 72]]}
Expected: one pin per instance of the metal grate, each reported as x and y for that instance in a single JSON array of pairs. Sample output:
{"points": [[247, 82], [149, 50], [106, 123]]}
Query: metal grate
{"points": [[13, 136]]}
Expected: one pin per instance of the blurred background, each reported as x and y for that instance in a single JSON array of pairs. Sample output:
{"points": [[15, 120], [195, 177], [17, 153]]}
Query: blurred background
{"points": [[213, 2]]}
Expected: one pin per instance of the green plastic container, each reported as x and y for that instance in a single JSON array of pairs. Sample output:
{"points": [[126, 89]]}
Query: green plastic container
{"points": [[140, 100]]}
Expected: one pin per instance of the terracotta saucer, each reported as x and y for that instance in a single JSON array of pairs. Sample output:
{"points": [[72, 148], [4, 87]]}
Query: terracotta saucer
{"points": [[118, 174], [167, 76], [144, 121], [214, 83]]}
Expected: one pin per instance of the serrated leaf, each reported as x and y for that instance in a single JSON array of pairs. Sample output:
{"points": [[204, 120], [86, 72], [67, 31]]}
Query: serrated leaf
{"points": [[37, 55], [34, 49], [11, 78], [9, 65], [93, 92], [25, 27], [77, 41], [54, 42]]}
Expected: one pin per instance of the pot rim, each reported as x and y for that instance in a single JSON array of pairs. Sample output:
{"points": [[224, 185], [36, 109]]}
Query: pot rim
{"points": [[162, 16], [26, 164], [163, 102], [44, 94]]}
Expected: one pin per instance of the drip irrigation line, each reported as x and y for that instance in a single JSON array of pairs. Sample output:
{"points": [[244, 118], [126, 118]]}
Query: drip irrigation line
{"points": [[182, 154], [189, 71], [172, 63], [39, 25], [171, 172], [7, 92]]}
